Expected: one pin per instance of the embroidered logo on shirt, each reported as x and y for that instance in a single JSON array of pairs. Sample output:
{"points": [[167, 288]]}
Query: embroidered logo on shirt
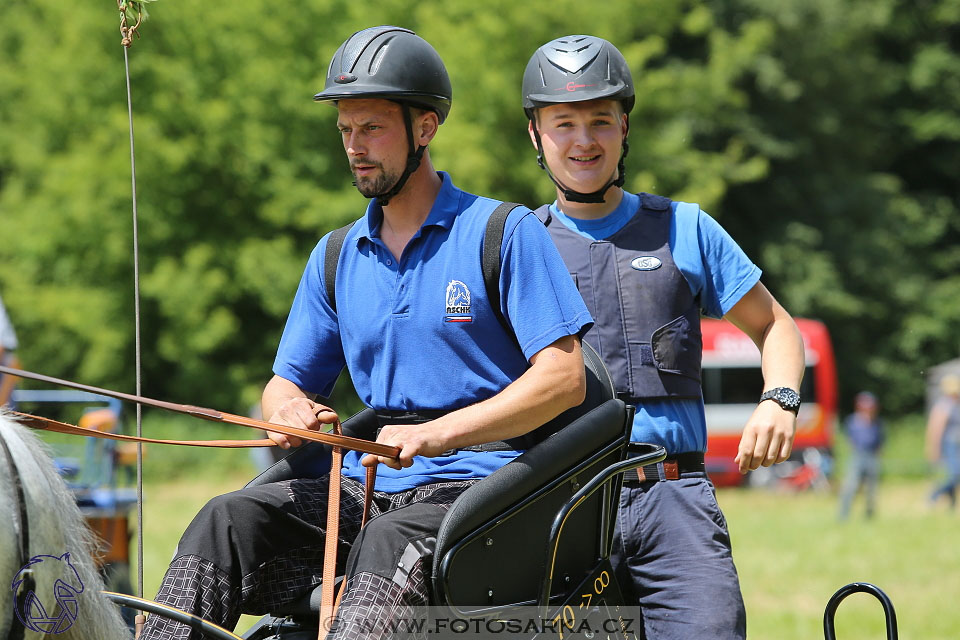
{"points": [[458, 303], [646, 263]]}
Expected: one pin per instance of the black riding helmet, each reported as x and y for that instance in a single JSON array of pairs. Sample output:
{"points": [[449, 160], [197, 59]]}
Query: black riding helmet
{"points": [[577, 69], [395, 64]]}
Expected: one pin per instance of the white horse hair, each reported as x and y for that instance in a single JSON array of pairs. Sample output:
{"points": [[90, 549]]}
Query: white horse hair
{"points": [[56, 527]]}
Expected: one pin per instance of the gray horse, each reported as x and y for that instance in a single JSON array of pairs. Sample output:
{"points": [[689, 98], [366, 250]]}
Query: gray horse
{"points": [[65, 597]]}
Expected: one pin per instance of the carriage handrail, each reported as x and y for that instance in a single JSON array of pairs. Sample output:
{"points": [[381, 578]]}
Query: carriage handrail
{"points": [[651, 455], [829, 633], [194, 622]]}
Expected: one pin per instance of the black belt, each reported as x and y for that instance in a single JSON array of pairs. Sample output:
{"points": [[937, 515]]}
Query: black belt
{"points": [[385, 417], [672, 468]]}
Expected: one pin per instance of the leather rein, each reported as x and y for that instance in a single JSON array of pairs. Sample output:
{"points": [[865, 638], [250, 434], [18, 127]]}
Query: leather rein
{"points": [[337, 441], [333, 439]]}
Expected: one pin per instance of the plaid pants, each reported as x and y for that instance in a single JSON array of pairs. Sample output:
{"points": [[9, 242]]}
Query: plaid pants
{"points": [[259, 548]]}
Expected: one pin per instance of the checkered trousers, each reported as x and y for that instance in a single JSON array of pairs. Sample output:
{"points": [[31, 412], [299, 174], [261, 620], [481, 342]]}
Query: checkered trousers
{"points": [[254, 550]]}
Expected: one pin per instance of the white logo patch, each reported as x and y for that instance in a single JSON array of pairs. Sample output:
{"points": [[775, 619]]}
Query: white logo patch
{"points": [[646, 263], [457, 303]]}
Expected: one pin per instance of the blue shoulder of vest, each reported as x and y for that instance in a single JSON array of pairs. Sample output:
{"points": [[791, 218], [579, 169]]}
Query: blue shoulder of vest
{"points": [[654, 202]]}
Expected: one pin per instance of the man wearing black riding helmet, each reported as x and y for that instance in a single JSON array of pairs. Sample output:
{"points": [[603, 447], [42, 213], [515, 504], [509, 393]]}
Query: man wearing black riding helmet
{"points": [[408, 315], [647, 267]]}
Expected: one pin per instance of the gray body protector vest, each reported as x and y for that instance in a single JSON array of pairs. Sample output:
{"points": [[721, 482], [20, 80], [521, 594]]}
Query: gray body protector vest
{"points": [[647, 322]]}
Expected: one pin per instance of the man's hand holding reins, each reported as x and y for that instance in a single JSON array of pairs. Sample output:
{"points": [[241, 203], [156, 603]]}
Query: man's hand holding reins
{"points": [[413, 440], [284, 403]]}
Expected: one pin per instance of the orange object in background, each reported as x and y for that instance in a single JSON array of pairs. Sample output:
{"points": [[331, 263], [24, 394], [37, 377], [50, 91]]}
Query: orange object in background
{"points": [[100, 419], [7, 383], [124, 453], [113, 537]]}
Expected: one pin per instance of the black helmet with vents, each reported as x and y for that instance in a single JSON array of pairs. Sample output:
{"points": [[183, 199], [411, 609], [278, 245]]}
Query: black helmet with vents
{"points": [[390, 63], [577, 69]]}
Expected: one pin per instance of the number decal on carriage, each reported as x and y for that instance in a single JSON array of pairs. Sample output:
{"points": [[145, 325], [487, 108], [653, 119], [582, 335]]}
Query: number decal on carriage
{"points": [[567, 618]]}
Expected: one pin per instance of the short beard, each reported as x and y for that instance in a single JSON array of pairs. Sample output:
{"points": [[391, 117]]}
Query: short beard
{"points": [[371, 187]]}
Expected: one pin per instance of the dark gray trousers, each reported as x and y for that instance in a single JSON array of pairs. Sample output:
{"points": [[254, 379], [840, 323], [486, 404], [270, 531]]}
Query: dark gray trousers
{"points": [[672, 548], [254, 550]]}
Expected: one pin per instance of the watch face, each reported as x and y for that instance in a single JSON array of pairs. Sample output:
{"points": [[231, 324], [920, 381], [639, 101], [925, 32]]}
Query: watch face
{"points": [[788, 398]]}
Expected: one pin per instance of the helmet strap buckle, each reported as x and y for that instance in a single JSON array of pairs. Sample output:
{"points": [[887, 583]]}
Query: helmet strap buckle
{"points": [[414, 158]]}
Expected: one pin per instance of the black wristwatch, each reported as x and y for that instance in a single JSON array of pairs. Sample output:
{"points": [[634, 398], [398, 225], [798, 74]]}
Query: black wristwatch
{"points": [[783, 396]]}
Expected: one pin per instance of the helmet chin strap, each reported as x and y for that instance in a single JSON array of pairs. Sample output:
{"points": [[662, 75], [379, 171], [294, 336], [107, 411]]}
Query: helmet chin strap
{"points": [[413, 162], [594, 197]]}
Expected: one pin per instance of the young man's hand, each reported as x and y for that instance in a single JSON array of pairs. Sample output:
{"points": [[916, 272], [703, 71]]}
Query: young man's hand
{"points": [[767, 438]]}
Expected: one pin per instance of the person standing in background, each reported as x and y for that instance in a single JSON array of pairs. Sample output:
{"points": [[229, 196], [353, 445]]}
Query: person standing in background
{"points": [[865, 432], [943, 438]]}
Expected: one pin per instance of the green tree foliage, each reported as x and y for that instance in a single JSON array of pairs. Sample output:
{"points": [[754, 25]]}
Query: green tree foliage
{"points": [[822, 134]]}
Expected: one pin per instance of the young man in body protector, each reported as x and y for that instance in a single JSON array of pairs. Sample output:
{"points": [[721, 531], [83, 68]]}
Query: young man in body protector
{"points": [[646, 267], [411, 322]]}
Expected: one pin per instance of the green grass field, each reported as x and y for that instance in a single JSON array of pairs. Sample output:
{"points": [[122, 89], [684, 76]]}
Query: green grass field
{"points": [[790, 550], [793, 554]]}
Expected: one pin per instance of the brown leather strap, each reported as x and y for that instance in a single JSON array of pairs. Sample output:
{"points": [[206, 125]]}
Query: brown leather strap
{"points": [[331, 539], [328, 603], [357, 444], [368, 486], [46, 424], [671, 470]]}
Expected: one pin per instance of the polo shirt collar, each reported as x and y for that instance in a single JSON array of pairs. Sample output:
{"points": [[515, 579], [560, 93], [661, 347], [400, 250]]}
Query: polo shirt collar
{"points": [[442, 213]]}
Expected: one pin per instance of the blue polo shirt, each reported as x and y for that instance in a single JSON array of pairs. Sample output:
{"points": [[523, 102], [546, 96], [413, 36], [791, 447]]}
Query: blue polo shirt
{"points": [[719, 274], [419, 333]]}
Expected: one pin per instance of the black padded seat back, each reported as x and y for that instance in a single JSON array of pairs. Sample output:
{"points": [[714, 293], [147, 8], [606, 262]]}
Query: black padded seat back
{"points": [[312, 459], [600, 387], [491, 545]]}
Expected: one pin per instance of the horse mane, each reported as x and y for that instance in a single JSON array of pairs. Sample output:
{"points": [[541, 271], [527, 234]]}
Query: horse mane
{"points": [[56, 526]]}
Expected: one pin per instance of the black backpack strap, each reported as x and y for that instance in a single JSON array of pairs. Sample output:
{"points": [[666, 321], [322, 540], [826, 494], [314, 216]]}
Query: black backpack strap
{"points": [[492, 243], [331, 258]]}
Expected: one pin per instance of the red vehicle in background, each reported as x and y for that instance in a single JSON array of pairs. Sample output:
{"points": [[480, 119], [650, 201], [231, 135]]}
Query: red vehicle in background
{"points": [[732, 382]]}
